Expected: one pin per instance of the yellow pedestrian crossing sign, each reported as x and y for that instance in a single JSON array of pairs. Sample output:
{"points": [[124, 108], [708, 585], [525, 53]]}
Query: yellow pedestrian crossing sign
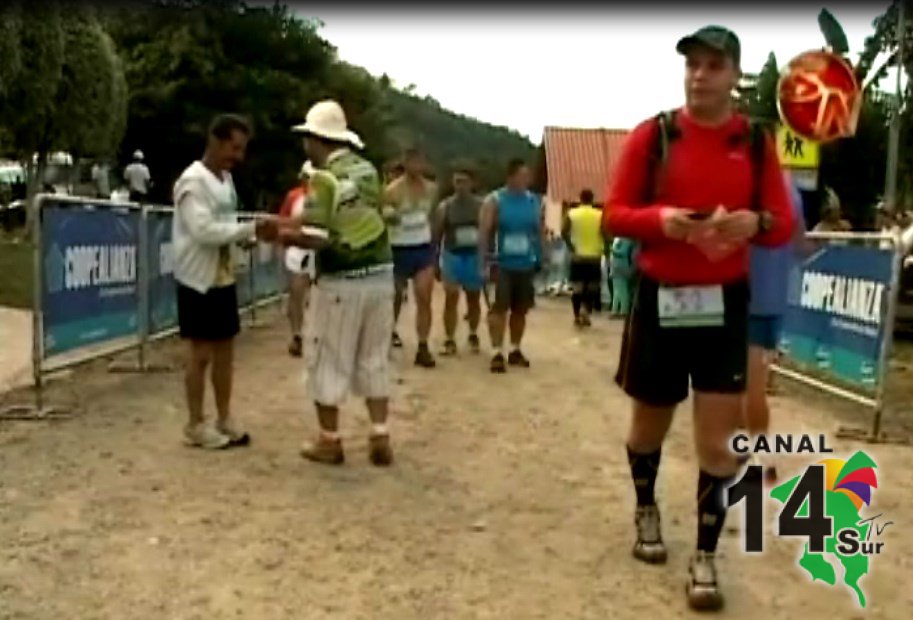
{"points": [[794, 150]]}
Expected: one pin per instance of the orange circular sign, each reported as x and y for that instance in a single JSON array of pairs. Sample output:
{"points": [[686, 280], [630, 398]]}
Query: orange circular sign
{"points": [[818, 96]]}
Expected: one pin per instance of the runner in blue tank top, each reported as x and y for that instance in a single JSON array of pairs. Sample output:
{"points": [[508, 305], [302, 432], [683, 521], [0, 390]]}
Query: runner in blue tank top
{"points": [[513, 218]]}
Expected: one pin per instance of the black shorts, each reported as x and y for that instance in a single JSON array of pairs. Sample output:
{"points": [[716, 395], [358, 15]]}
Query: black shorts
{"points": [[514, 291], [657, 362], [587, 273], [209, 316]]}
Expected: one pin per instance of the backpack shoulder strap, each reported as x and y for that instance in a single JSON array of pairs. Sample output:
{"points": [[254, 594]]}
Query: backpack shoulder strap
{"points": [[757, 144], [666, 131]]}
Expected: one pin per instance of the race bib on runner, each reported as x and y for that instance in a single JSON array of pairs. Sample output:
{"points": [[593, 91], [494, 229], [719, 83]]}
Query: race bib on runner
{"points": [[516, 244], [690, 306], [413, 220], [466, 236]]}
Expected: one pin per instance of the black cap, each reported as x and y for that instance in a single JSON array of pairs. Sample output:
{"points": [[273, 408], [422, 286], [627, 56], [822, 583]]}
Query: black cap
{"points": [[715, 37]]}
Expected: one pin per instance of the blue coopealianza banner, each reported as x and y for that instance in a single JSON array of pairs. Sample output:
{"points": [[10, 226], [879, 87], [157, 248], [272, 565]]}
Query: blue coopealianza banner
{"points": [[836, 322], [163, 306], [91, 259], [267, 270], [89, 267]]}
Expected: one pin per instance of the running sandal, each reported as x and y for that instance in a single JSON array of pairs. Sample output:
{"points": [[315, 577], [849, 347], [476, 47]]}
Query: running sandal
{"points": [[450, 348], [474, 344], [498, 366]]}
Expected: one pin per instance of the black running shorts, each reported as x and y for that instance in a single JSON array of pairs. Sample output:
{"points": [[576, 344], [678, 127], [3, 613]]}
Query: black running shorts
{"points": [[657, 362], [587, 273], [514, 291], [209, 316]]}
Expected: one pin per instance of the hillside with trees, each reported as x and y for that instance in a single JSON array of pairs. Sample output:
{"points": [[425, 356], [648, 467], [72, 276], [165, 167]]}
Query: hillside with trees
{"points": [[188, 59]]}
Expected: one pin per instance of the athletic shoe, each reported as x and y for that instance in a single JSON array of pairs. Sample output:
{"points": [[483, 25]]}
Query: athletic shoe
{"points": [[204, 436], [474, 345], [649, 546], [578, 322], [702, 588], [323, 450], [296, 347], [516, 358], [498, 366], [379, 452], [585, 321], [424, 358], [236, 436], [397, 341], [450, 348]]}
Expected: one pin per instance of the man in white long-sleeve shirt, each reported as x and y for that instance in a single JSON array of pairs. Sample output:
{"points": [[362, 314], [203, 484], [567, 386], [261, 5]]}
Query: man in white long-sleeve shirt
{"points": [[204, 228]]}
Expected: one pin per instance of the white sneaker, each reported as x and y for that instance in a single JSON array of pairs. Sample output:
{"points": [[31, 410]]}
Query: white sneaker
{"points": [[236, 436], [204, 436]]}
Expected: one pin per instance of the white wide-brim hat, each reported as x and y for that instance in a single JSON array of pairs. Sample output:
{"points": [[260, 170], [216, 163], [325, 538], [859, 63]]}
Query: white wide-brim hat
{"points": [[326, 119]]}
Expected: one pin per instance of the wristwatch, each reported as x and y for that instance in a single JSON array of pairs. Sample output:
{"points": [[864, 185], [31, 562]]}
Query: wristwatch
{"points": [[765, 221]]}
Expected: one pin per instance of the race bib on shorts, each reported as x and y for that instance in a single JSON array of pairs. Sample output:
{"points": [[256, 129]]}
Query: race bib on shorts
{"points": [[516, 244], [690, 306], [466, 236]]}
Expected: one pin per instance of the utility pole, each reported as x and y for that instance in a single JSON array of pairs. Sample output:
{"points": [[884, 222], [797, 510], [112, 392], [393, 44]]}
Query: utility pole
{"points": [[890, 189]]}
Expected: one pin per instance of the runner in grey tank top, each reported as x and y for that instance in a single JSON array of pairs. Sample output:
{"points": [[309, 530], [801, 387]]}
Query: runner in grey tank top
{"points": [[457, 233]]}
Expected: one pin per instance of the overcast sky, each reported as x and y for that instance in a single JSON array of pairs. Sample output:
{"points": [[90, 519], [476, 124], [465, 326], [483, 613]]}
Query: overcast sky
{"points": [[581, 67]]}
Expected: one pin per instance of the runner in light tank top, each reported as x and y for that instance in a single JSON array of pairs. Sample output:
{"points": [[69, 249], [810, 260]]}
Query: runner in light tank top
{"points": [[408, 205], [513, 217]]}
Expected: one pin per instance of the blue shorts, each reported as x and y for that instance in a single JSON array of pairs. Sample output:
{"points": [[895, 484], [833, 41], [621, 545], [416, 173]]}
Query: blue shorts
{"points": [[408, 260], [462, 269], [764, 331]]}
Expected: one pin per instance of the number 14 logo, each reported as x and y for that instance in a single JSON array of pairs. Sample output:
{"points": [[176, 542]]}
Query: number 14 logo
{"points": [[814, 524]]}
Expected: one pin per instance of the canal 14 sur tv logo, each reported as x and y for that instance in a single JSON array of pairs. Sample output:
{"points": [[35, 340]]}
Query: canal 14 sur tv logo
{"points": [[823, 505]]}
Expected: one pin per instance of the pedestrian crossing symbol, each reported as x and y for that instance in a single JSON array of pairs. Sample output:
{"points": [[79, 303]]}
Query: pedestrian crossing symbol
{"points": [[794, 150]]}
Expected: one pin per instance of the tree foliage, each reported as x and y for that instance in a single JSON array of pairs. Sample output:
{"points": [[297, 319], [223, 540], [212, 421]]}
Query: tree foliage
{"points": [[187, 60], [67, 93]]}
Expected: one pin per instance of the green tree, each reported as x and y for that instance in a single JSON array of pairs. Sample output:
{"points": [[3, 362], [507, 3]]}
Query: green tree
{"points": [[72, 97], [884, 41]]}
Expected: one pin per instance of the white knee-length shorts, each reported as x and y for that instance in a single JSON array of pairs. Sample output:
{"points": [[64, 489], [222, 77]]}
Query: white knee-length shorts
{"points": [[348, 339]]}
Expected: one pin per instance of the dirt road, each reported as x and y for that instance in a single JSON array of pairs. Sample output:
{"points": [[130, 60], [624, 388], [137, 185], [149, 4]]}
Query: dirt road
{"points": [[510, 499], [15, 348]]}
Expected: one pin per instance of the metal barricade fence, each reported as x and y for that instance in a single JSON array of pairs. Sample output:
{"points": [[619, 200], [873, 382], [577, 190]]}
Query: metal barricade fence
{"points": [[103, 284]]}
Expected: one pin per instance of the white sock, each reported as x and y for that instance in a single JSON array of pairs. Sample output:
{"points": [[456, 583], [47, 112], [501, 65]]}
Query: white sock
{"points": [[329, 435], [379, 429]]}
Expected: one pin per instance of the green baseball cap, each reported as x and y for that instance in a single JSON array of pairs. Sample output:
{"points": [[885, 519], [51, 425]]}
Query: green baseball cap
{"points": [[715, 37]]}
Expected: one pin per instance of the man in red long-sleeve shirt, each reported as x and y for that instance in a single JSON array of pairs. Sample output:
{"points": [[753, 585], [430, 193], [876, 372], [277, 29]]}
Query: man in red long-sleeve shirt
{"points": [[694, 219]]}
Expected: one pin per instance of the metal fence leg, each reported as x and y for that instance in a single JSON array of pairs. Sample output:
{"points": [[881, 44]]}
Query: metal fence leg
{"points": [[143, 297], [37, 410], [252, 277], [875, 434]]}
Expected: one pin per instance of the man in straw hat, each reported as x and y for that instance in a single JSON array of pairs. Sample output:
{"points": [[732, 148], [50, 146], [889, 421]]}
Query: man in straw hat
{"points": [[348, 338]]}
